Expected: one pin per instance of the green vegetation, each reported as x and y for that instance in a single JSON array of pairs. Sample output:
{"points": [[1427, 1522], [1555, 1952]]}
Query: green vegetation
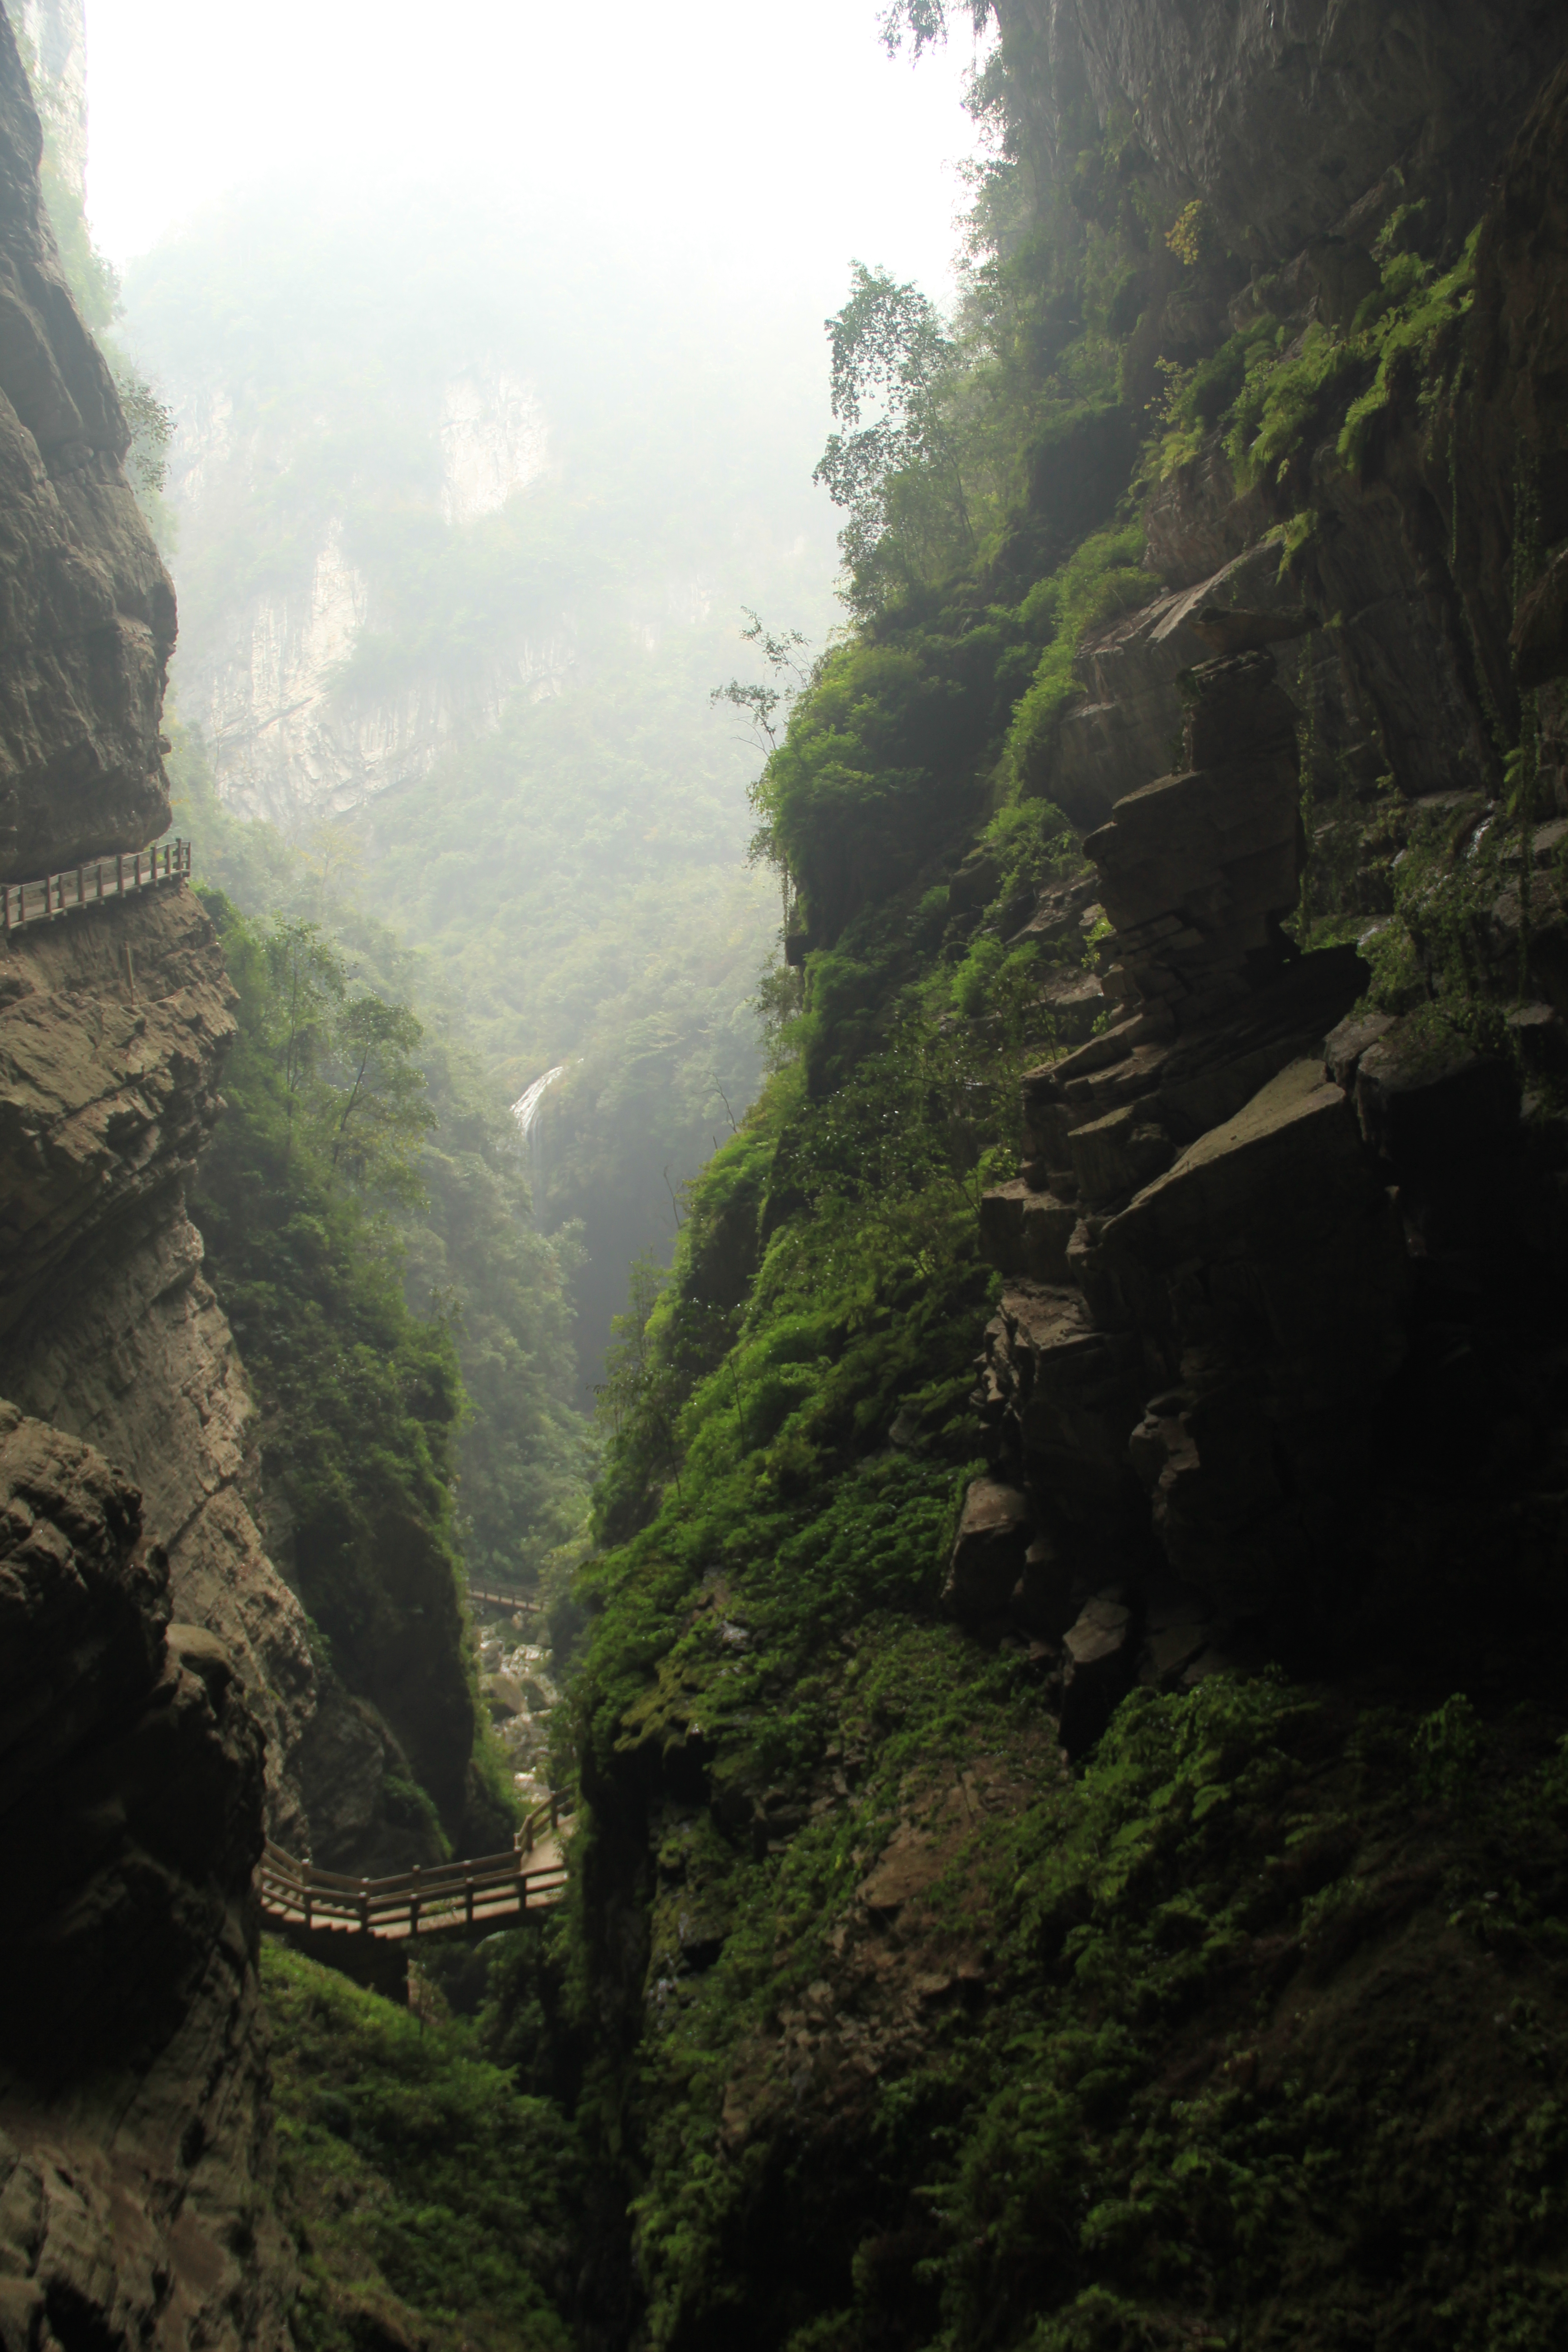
{"points": [[408, 1330], [458, 1219], [428, 2199], [903, 2032], [1112, 2130], [1244, 2032], [361, 1398], [572, 866]]}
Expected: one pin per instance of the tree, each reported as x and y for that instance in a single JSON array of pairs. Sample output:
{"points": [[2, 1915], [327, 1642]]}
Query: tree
{"points": [[892, 359], [352, 1100], [925, 22], [384, 1117], [767, 708], [764, 705]]}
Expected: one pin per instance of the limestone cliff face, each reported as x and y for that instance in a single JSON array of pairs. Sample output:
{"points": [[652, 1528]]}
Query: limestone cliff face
{"points": [[1301, 119], [115, 1022], [89, 613], [134, 2128], [293, 734], [134, 2157], [112, 1030], [1253, 1233]]}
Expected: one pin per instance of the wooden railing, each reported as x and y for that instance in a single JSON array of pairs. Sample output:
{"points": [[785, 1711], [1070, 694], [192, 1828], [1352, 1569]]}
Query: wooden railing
{"points": [[510, 1601], [87, 886], [420, 1902]]}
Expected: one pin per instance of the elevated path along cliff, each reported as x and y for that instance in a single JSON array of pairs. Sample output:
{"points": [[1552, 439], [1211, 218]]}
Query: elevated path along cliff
{"points": [[482, 1891]]}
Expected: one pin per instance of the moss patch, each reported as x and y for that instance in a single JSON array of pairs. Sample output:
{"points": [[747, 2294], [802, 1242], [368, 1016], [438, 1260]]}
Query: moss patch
{"points": [[430, 2202]]}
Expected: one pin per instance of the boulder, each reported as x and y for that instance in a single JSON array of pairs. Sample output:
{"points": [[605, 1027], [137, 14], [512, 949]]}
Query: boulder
{"points": [[1269, 1266], [1121, 734], [1291, 1150], [1539, 1035], [1198, 868], [504, 1696], [1096, 1669], [1072, 1390], [1026, 1232], [1424, 1094], [1114, 1156], [1344, 1047], [1050, 1593], [989, 1549]]}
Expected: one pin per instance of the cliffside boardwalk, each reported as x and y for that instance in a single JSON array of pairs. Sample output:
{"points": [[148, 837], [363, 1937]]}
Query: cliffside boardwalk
{"points": [[513, 1603], [484, 1889], [77, 886]]}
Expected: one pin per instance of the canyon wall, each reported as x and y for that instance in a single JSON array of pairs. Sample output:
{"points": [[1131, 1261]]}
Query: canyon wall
{"points": [[1296, 119], [993, 1880], [292, 733], [135, 2154], [89, 623], [158, 1684]]}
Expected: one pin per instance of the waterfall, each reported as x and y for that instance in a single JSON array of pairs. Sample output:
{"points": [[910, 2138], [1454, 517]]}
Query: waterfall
{"points": [[526, 1110]]}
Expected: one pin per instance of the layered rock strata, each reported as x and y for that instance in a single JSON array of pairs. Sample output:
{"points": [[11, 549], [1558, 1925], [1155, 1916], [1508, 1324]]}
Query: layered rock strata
{"points": [[1277, 1273], [113, 1025], [134, 2170], [1204, 1276], [89, 616], [1302, 122], [1198, 870]]}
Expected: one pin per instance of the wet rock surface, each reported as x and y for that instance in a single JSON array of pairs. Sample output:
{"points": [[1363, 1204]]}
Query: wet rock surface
{"points": [[134, 2168], [1289, 119], [89, 609], [1253, 1215], [113, 1029]]}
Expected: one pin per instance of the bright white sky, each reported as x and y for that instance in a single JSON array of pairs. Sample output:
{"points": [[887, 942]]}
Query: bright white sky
{"points": [[781, 132]]}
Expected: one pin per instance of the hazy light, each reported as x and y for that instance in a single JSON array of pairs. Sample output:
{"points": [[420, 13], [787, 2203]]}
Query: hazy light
{"points": [[723, 126]]}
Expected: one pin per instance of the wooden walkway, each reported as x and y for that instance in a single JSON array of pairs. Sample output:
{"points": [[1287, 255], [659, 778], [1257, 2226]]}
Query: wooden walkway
{"points": [[482, 1892], [513, 1603], [95, 885]]}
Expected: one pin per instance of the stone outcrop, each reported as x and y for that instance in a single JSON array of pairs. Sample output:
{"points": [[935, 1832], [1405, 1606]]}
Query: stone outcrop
{"points": [[1302, 121], [1206, 1281], [113, 1027], [112, 1031], [133, 2150], [89, 613], [1311, 1244], [1198, 870], [1120, 733], [114, 1023]]}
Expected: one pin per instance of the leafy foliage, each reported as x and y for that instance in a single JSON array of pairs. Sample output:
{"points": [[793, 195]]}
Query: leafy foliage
{"points": [[891, 355], [1212, 2066], [361, 1399], [424, 2193], [571, 869], [446, 1168]]}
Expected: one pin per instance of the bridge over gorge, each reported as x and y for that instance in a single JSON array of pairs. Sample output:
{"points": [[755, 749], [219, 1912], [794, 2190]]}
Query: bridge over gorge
{"points": [[484, 1891], [512, 1603], [95, 885]]}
